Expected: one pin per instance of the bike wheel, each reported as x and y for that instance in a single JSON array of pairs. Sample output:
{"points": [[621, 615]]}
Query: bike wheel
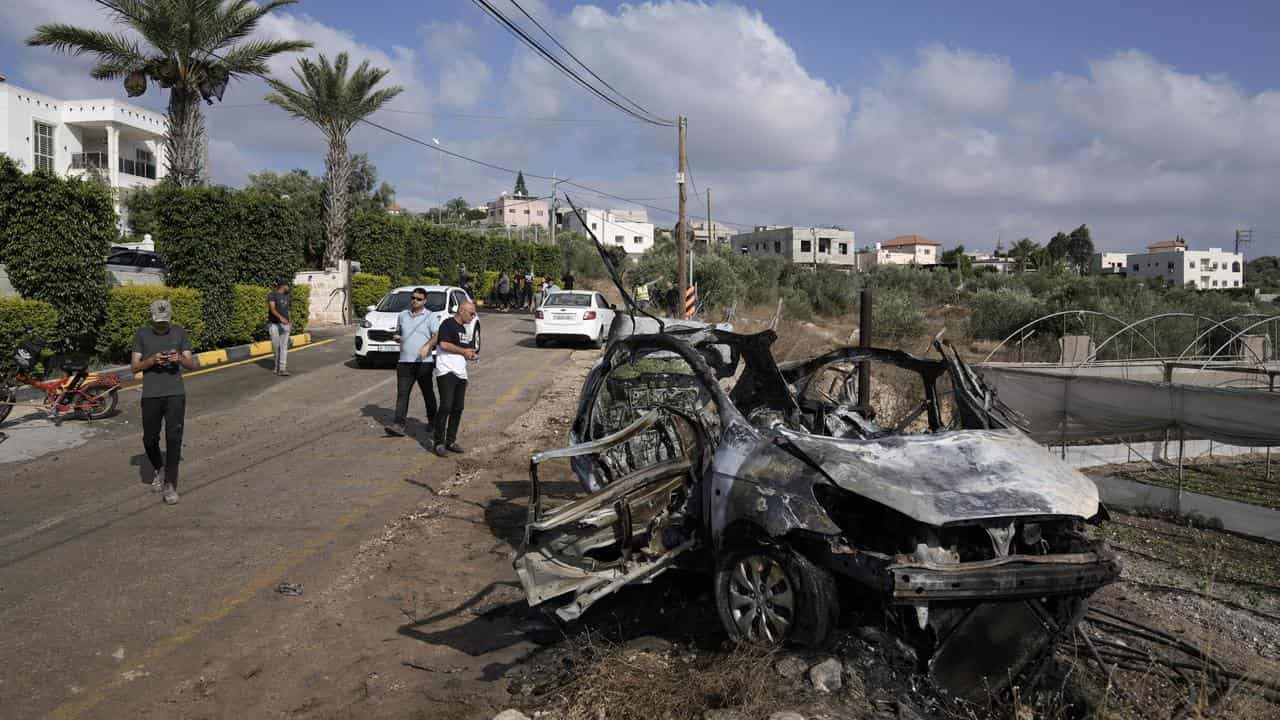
{"points": [[7, 395], [100, 402]]}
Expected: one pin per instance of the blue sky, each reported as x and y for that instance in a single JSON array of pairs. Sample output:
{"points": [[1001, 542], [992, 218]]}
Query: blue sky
{"points": [[960, 121]]}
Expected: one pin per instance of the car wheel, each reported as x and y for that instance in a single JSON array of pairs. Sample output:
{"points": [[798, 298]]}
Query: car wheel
{"points": [[773, 596], [539, 341], [363, 361], [599, 341]]}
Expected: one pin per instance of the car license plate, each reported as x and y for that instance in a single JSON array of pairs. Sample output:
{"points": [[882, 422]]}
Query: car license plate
{"points": [[563, 317]]}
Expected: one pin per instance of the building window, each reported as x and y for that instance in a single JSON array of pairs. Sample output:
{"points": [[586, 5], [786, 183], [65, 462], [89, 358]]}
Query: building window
{"points": [[824, 245], [617, 239], [1170, 267], [539, 213], [1235, 283], [844, 248], [526, 212], [777, 247], [1191, 266], [43, 146], [593, 226], [1135, 267], [1235, 267], [1215, 283], [806, 246], [638, 240]]}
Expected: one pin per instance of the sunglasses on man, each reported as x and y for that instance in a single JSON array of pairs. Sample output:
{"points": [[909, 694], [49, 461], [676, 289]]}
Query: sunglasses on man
{"points": [[419, 298]]}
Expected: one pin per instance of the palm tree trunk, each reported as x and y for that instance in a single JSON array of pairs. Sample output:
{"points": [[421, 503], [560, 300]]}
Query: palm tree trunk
{"points": [[337, 171], [184, 146]]}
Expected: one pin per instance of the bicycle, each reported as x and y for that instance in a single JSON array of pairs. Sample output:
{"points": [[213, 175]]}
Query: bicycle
{"points": [[77, 393]]}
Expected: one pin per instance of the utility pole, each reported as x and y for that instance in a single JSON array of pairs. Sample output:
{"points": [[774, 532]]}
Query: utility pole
{"points": [[711, 233], [1243, 236], [682, 225]]}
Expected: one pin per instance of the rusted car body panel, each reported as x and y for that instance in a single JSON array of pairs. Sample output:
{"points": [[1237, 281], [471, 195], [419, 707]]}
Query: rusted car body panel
{"points": [[692, 441]]}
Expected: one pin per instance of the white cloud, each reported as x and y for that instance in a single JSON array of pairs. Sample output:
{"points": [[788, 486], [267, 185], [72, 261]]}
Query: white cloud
{"points": [[963, 82], [464, 78]]}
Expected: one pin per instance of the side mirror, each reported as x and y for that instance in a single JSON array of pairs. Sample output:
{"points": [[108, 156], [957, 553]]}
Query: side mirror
{"points": [[370, 308]]}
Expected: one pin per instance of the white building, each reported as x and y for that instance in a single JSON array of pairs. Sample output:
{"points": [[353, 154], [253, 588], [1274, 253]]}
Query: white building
{"points": [[722, 233], [1172, 262], [615, 228], [518, 211], [1108, 263], [902, 250], [813, 245], [122, 142]]}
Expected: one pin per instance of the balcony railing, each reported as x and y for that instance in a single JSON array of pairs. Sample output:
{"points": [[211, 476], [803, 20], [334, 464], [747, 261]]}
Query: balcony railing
{"points": [[84, 161], [138, 168]]}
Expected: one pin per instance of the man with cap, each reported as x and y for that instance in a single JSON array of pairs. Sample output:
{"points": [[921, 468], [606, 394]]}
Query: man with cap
{"points": [[278, 326], [161, 351]]}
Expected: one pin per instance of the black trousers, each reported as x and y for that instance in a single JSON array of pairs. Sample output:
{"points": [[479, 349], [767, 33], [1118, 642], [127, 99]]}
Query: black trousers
{"points": [[453, 396], [408, 373], [169, 411]]}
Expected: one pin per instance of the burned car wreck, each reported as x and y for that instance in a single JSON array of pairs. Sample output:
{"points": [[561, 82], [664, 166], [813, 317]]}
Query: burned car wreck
{"points": [[695, 449]]}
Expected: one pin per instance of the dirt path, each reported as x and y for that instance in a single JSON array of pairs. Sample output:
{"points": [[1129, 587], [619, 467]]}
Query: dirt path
{"points": [[424, 620]]}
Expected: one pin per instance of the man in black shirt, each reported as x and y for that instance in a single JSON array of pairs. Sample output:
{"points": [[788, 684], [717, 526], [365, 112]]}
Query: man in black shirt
{"points": [[161, 351], [456, 346], [278, 326], [567, 280]]}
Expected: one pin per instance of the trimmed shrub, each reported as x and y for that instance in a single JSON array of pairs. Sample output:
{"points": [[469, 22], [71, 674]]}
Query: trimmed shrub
{"points": [[483, 284], [367, 289], [54, 238], [249, 313], [378, 243], [129, 308], [213, 237], [21, 319]]}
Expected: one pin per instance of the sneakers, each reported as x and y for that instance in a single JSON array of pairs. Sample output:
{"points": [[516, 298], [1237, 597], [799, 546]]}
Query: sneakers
{"points": [[150, 475], [440, 450], [283, 373], [156, 485], [395, 428], [455, 448], [170, 494]]}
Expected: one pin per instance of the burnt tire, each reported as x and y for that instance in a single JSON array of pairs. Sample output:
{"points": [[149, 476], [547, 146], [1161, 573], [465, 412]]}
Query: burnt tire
{"points": [[104, 402], [774, 596]]}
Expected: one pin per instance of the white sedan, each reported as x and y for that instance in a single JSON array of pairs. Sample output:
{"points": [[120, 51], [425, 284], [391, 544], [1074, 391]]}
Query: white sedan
{"points": [[573, 315]]}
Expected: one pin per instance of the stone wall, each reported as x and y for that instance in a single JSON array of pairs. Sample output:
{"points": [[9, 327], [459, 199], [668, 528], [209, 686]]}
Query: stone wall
{"points": [[330, 297]]}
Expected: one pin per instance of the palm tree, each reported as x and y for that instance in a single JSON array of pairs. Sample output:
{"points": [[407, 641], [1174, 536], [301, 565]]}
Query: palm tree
{"points": [[1023, 251], [334, 102], [192, 48]]}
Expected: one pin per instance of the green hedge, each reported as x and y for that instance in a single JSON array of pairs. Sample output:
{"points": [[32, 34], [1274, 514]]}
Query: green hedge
{"points": [[367, 289], [54, 238], [129, 308], [21, 319], [484, 283], [249, 313], [213, 238], [398, 246]]}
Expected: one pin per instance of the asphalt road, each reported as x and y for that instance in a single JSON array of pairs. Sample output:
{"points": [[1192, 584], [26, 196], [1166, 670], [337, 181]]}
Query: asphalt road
{"points": [[103, 587]]}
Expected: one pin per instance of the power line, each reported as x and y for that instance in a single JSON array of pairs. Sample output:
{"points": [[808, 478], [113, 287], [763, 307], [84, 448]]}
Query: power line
{"points": [[533, 44], [584, 65]]}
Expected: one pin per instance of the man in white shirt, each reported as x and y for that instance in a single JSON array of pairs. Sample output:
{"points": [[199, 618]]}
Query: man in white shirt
{"points": [[454, 348], [414, 331]]}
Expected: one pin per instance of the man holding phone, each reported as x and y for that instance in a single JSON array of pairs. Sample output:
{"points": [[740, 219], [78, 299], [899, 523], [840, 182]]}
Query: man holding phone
{"points": [[161, 351], [456, 347]]}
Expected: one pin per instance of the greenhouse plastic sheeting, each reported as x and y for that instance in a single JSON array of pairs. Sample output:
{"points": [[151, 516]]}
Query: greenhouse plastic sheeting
{"points": [[1063, 407]]}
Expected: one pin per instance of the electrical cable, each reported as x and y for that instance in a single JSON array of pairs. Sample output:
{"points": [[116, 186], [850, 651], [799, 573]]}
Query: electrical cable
{"points": [[533, 44], [584, 65]]}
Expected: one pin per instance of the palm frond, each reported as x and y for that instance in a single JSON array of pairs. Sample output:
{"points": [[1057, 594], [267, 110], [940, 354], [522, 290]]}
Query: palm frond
{"points": [[331, 97], [78, 41], [238, 20], [250, 58]]}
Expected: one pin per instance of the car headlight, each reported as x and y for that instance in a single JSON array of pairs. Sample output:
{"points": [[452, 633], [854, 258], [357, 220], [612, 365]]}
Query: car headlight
{"points": [[366, 324]]}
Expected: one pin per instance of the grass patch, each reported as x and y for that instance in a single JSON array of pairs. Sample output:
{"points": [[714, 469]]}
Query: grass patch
{"points": [[1241, 480]]}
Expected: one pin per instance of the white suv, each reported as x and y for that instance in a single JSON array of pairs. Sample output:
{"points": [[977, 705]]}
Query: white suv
{"points": [[375, 335]]}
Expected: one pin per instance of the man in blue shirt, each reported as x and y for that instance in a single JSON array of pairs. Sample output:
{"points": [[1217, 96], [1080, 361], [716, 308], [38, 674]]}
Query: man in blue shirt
{"points": [[414, 329]]}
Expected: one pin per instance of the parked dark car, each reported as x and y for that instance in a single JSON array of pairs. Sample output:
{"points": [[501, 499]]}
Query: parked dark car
{"points": [[131, 265]]}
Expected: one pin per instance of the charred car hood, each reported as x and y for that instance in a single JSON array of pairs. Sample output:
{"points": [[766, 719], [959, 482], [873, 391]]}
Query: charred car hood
{"points": [[955, 476]]}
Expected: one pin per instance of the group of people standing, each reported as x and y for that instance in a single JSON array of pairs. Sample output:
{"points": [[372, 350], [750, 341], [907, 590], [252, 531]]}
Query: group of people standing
{"points": [[520, 290], [434, 352]]}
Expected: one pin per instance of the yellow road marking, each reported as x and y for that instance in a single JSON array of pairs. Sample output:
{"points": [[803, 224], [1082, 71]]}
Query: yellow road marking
{"points": [[317, 343], [260, 581]]}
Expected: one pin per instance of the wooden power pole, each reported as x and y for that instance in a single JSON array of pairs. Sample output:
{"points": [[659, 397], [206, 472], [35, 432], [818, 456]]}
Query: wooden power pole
{"points": [[711, 233], [682, 227]]}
